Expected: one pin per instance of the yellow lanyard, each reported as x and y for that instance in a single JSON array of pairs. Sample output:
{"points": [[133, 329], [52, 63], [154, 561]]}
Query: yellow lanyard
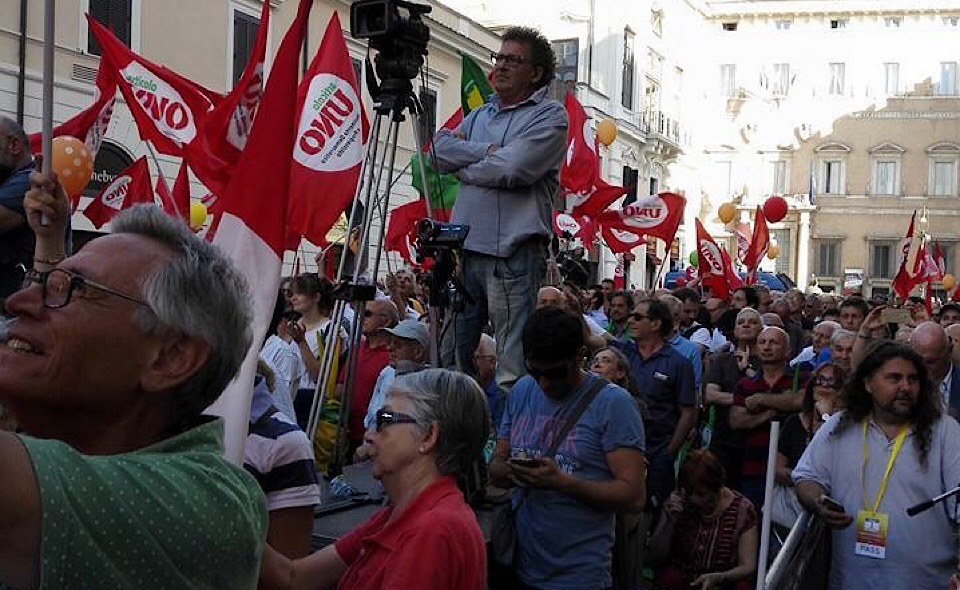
{"points": [[897, 444]]}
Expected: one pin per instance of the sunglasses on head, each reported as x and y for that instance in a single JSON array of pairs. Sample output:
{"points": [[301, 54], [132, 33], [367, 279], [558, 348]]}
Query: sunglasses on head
{"points": [[387, 417], [553, 372]]}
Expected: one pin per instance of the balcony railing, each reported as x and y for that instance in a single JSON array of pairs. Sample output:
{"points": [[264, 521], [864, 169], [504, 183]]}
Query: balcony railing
{"points": [[658, 122]]}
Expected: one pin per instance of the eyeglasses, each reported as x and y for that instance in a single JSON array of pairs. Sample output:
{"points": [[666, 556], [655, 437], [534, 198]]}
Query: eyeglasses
{"points": [[553, 373], [58, 285], [637, 316], [821, 381], [386, 418], [510, 60]]}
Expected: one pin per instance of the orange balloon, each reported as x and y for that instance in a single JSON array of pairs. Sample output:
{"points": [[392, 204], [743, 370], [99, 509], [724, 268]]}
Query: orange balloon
{"points": [[773, 251], [73, 164], [949, 281], [727, 212], [606, 131]]}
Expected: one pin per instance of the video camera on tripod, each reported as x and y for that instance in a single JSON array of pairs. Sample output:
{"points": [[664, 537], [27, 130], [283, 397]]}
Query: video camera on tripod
{"points": [[401, 41], [438, 241]]}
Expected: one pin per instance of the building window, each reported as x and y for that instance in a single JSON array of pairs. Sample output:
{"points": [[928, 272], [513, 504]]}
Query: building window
{"points": [[626, 97], [944, 163], [568, 62], [948, 250], [837, 78], [728, 80], [948, 78], [828, 258], [783, 24], [656, 22], [885, 176], [114, 15], [832, 176], [782, 238], [778, 177], [838, 23], [629, 180], [730, 26], [651, 96], [653, 187], [244, 37], [891, 78], [781, 79], [883, 260], [656, 64], [428, 120], [892, 21]]}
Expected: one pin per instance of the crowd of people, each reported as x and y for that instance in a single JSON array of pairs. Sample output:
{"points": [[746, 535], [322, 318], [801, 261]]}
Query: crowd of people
{"points": [[621, 435]]}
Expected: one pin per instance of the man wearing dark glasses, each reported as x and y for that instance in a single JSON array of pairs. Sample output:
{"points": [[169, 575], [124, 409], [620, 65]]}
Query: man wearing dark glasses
{"points": [[120, 480]]}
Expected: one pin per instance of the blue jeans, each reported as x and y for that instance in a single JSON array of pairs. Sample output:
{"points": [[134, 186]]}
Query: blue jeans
{"points": [[505, 293]]}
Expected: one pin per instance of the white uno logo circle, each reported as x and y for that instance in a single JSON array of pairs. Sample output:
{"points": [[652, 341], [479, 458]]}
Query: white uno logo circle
{"points": [[567, 223], [162, 103], [710, 254], [650, 213], [329, 134], [241, 122], [625, 236], [116, 192]]}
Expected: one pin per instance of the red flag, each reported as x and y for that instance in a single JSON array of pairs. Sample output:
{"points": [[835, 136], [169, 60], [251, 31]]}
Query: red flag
{"points": [[228, 125], [730, 271], [252, 223], [938, 258], [593, 201], [575, 227], [166, 199], [742, 231], [402, 229], [128, 188], [90, 124], [909, 271], [657, 216], [619, 240], [331, 132], [181, 191], [759, 244], [929, 267], [581, 165], [619, 278], [452, 123], [168, 111], [713, 273]]}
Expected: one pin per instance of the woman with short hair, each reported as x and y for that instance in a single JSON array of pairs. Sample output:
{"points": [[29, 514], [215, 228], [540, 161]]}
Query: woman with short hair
{"points": [[429, 433]]}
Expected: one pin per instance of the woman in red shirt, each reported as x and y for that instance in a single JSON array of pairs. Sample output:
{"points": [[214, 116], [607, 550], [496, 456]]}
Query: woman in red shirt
{"points": [[432, 428]]}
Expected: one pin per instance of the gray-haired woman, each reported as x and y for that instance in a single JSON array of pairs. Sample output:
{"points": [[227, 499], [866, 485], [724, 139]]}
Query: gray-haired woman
{"points": [[431, 429]]}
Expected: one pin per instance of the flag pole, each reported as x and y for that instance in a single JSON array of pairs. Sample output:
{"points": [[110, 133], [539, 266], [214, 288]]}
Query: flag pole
{"points": [[49, 30], [163, 179]]}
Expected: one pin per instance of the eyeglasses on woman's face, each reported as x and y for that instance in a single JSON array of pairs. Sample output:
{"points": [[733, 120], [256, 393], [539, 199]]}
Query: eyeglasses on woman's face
{"points": [[385, 417]]}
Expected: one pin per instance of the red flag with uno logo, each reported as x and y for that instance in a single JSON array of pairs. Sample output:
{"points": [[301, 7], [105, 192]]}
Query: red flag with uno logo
{"points": [[167, 109], [657, 216], [570, 226], [713, 273], [90, 124], [228, 125], [580, 166], [331, 131], [128, 188]]}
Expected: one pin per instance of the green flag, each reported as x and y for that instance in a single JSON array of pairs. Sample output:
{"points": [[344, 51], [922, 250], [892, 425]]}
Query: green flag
{"points": [[443, 187], [474, 86]]}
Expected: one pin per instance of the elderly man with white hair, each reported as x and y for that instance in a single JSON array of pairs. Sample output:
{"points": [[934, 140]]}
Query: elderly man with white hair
{"points": [[811, 356]]}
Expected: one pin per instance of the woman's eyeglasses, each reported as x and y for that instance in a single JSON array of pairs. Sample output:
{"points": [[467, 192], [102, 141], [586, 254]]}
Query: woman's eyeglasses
{"points": [[387, 417], [821, 381]]}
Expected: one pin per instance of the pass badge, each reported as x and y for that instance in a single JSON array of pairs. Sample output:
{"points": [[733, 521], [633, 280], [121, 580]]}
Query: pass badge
{"points": [[871, 534]]}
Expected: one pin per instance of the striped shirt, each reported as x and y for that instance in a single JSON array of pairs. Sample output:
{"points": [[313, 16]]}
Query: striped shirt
{"points": [[279, 455]]}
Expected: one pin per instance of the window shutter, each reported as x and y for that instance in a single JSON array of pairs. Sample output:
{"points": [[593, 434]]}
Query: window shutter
{"points": [[113, 14]]}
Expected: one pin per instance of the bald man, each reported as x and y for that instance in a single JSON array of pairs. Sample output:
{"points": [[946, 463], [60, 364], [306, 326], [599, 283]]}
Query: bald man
{"points": [[551, 297], [758, 400], [932, 343]]}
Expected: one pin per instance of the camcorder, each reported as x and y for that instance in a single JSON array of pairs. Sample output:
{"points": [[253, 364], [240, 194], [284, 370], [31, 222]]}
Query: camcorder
{"points": [[401, 41], [431, 234]]}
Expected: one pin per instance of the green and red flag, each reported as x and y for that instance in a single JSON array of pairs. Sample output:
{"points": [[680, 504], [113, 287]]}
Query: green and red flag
{"points": [[475, 88]]}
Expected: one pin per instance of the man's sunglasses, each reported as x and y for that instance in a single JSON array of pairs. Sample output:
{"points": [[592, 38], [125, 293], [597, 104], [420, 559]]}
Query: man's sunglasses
{"points": [[387, 417], [553, 372]]}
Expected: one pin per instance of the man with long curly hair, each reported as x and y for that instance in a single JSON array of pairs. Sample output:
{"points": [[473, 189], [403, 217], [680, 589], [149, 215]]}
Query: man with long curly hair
{"points": [[891, 448]]}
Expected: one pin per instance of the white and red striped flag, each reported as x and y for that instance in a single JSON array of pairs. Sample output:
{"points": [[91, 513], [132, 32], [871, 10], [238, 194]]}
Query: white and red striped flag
{"points": [[252, 223]]}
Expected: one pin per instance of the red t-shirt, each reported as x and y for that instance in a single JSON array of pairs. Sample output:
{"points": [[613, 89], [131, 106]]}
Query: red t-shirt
{"points": [[436, 544], [370, 361]]}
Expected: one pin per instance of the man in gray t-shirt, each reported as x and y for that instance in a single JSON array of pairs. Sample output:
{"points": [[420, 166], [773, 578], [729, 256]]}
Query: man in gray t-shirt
{"points": [[507, 155]]}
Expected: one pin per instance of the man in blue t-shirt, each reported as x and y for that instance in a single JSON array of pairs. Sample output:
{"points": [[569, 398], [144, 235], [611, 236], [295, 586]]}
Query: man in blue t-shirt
{"points": [[566, 503], [16, 239]]}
